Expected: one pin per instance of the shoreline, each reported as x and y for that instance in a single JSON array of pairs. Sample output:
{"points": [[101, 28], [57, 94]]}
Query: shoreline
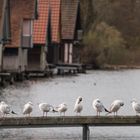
{"points": [[120, 67], [112, 67]]}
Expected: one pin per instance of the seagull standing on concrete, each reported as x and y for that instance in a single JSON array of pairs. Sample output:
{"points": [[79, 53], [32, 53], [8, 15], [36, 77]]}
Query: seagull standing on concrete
{"points": [[45, 108], [62, 108], [5, 109], [78, 106], [28, 108], [98, 106], [135, 106], [115, 106]]}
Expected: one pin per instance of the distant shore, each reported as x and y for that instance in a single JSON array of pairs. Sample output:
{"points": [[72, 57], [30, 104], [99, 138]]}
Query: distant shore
{"points": [[119, 67]]}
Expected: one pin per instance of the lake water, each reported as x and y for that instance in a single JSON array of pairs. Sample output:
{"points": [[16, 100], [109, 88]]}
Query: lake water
{"points": [[105, 85]]}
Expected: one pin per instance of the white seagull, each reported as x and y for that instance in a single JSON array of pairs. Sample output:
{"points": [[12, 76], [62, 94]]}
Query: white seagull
{"points": [[62, 108], [78, 106], [5, 109], [28, 108], [115, 106], [45, 108], [98, 106], [135, 106]]}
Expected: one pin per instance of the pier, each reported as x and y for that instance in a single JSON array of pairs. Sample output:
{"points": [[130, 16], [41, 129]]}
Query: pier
{"points": [[9, 77], [69, 121], [70, 68]]}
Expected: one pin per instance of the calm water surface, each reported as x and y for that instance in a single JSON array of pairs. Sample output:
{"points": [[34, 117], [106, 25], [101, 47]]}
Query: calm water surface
{"points": [[106, 85]]}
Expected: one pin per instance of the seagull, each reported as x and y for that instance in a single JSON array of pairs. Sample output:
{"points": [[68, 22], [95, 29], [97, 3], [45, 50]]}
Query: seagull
{"points": [[45, 108], [78, 107], [5, 109], [28, 108], [98, 106], [62, 108], [135, 106], [115, 106]]}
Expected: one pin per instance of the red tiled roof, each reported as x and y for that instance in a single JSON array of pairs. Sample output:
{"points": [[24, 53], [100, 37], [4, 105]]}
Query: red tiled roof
{"points": [[41, 24], [55, 20], [69, 10], [19, 9]]}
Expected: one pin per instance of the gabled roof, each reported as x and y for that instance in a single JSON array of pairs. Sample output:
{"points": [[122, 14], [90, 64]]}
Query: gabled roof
{"points": [[69, 10], [41, 24], [1, 10], [55, 20], [19, 10]]}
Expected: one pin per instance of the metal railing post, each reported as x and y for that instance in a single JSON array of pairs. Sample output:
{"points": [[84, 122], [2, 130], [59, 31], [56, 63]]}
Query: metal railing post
{"points": [[86, 132]]}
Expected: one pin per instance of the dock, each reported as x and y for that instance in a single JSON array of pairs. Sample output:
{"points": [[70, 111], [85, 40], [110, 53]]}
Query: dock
{"points": [[70, 68], [10, 77], [69, 121]]}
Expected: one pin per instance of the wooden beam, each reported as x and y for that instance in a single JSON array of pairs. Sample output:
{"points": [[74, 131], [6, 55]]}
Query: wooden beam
{"points": [[68, 121]]}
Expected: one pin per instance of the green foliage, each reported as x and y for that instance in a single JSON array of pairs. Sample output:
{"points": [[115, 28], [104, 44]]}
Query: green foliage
{"points": [[112, 32], [103, 44]]}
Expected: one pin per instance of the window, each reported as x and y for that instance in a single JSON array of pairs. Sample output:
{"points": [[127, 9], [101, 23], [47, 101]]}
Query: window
{"points": [[26, 40]]}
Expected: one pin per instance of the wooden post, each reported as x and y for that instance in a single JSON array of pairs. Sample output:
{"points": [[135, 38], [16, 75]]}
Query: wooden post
{"points": [[43, 61], [2, 32], [66, 53], [25, 53], [20, 59], [86, 132], [1, 52], [70, 53]]}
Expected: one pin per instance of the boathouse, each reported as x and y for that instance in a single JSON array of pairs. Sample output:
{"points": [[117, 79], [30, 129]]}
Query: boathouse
{"points": [[41, 30], [46, 36], [71, 31], [56, 31], [53, 48], [22, 14]]}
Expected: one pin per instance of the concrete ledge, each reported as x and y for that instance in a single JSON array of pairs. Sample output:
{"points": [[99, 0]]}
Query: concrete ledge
{"points": [[68, 121]]}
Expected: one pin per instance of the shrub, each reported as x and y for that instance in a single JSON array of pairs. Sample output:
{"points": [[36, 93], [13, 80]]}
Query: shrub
{"points": [[103, 44]]}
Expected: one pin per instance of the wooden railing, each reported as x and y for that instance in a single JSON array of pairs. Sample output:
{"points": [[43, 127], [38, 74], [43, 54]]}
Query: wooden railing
{"points": [[69, 121]]}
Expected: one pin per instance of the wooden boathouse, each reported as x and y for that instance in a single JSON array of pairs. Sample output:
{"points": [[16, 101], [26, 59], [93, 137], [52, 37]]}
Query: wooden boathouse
{"points": [[47, 36], [70, 121], [59, 30], [17, 20], [71, 31], [53, 48], [45, 33], [37, 55], [15, 52]]}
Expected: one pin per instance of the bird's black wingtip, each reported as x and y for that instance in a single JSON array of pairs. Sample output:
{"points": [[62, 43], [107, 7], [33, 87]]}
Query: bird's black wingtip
{"points": [[13, 112], [107, 110]]}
